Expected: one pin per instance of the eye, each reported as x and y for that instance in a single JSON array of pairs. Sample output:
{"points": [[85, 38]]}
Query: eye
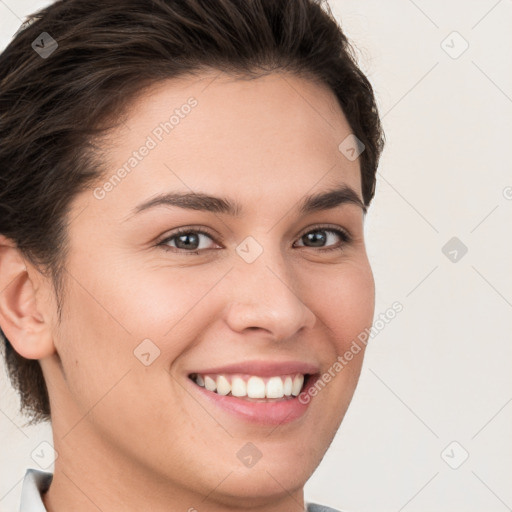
{"points": [[187, 240], [318, 238]]}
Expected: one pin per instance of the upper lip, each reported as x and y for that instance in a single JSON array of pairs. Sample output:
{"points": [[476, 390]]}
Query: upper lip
{"points": [[263, 368]]}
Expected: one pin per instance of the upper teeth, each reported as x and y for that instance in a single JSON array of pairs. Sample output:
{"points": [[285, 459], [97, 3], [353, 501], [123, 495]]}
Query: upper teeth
{"points": [[251, 385]]}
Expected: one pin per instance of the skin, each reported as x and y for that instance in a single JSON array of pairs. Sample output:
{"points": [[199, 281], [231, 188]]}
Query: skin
{"points": [[131, 437]]}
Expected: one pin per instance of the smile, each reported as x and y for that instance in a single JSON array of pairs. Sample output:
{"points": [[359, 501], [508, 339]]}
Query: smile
{"points": [[268, 399], [252, 386]]}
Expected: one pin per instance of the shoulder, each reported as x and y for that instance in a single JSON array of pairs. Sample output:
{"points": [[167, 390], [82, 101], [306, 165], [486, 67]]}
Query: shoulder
{"points": [[35, 483]]}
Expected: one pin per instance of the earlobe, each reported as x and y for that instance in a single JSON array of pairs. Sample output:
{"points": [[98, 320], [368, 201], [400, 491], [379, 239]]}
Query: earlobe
{"points": [[22, 323]]}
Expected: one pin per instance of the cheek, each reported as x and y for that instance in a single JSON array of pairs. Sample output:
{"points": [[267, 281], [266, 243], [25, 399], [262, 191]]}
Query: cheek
{"points": [[94, 348], [104, 379], [154, 301], [345, 300]]}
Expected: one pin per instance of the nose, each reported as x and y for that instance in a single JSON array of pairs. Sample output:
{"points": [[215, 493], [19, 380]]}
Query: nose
{"points": [[265, 296]]}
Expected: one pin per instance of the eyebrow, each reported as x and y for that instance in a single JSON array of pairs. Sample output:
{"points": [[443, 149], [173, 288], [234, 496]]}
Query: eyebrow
{"points": [[198, 201]]}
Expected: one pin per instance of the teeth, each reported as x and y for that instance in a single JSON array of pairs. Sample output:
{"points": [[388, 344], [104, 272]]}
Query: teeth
{"points": [[297, 384], [253, 386], [256, 387], [275, 388], [209, 384], [238, 387], [223, 386], [288, 386]]}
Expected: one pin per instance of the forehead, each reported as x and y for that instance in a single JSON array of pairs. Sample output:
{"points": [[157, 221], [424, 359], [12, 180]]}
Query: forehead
{"points": [[273, 136]]}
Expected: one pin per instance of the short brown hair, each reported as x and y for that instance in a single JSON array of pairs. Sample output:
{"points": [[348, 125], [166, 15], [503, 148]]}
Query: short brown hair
{"points": [[108, 51]]}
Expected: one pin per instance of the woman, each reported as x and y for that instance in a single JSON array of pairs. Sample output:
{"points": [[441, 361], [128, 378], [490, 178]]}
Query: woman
{"points": [[182, 251]]}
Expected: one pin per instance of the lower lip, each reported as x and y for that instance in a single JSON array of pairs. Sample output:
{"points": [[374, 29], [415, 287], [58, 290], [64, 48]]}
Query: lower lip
{"points": [[277, 412]]}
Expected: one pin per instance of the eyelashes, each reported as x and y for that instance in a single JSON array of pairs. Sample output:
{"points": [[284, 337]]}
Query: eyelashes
{"points": [[181, 235], [341, 233]]}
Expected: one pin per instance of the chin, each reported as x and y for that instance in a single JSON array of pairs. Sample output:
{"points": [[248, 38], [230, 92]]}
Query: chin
{"points": [[260, 487]]}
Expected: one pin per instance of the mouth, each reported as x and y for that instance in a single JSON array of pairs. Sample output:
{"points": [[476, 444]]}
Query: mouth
{"points": [[253, 388], [271, 400]]}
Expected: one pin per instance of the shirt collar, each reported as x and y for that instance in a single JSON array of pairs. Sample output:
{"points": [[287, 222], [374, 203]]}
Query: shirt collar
{"points": [[35, 483]]}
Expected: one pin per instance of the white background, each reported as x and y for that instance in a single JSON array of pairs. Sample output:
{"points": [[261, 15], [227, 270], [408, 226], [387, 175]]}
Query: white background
{"points": [[441, 370]]}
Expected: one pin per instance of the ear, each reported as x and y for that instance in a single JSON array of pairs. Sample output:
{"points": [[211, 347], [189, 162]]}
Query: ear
{"points": [[26, 327]]}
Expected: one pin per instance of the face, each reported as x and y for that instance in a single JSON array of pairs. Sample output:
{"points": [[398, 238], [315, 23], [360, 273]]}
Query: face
{"points": [[247, 300]]}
